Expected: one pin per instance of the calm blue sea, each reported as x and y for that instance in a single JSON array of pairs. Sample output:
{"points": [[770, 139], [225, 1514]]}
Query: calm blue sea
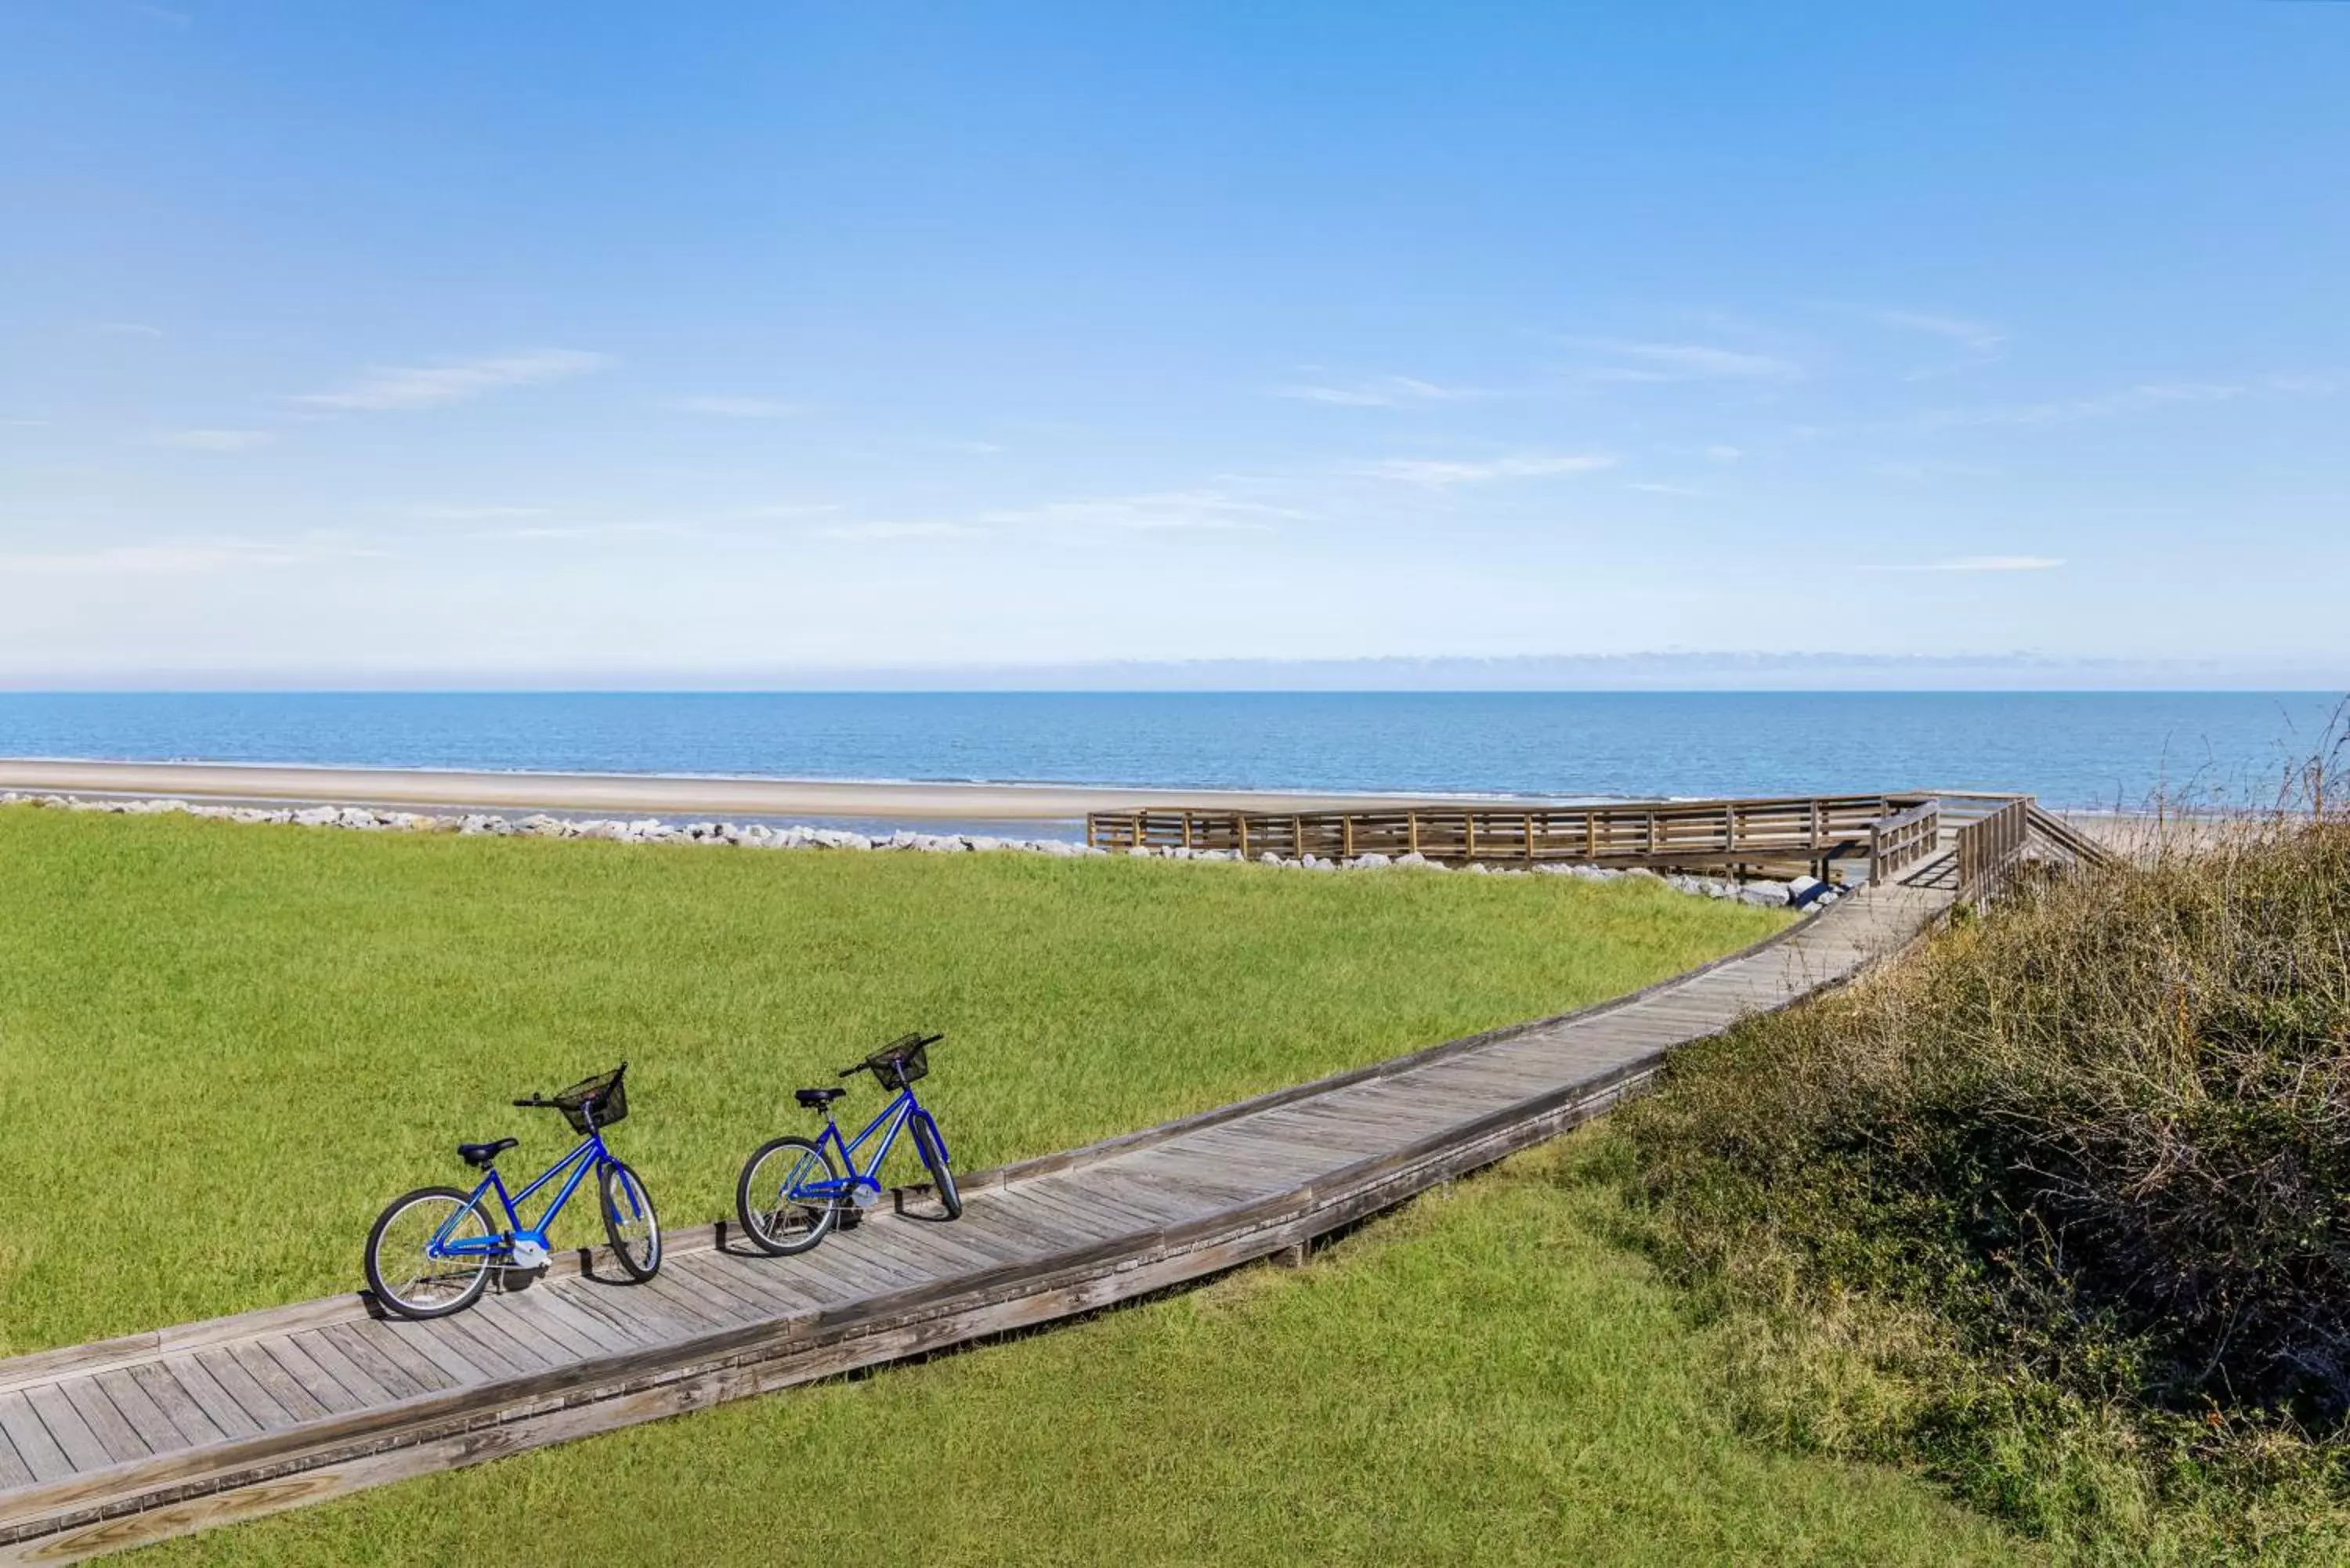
{"points": [[2071, 749]]}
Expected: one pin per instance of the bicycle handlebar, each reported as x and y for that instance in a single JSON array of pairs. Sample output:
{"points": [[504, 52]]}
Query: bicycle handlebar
{"points": [[915, 1044]]}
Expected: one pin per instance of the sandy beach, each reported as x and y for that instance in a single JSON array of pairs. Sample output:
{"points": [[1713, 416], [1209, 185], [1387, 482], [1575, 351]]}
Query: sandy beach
{"points": [[647, 793]]}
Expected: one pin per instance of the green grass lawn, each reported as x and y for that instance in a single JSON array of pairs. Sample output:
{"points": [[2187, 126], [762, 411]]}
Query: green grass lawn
{"points": [[1488, 1377], [222, 1047]]}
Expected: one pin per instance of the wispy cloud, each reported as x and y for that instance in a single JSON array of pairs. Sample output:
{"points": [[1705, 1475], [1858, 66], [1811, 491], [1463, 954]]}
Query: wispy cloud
{"points": [[125, 329], [431, 386], [972, 448], [178, 559], [885, 528], [793, 509], [1654, 489], [620, 530], [2129, 400], [180, 21], [1439, 474], [475, 514], [739, 408], [1690, 362], [215, 440], [1153, 511], [1381, 392], [1983, 563], [2146, 398], [26, 424], [1975, 342]]}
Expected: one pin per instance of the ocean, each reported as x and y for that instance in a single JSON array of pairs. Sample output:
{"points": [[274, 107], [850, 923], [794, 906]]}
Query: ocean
{"points": [[2071, 749]]}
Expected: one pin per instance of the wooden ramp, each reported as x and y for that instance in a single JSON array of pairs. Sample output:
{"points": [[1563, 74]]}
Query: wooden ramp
{"points": [[115, 1443]]}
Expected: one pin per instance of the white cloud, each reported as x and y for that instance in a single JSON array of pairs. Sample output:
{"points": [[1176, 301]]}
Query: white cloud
{"points": [[215, 440], [475, 514], [177, 560], [1984, 563], [885, 529], [2129, 400], [1725, 453], [1665, 489], [1977, 342], [1440, 474], [638, 530], [426, 387], [793, 509], [1382, 392], [972, 448], [1151, 512], [1691, 362], [739, 408]]}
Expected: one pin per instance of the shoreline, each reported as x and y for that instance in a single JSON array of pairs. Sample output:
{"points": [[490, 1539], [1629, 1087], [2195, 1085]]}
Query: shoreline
{"points": [[448, 789]]}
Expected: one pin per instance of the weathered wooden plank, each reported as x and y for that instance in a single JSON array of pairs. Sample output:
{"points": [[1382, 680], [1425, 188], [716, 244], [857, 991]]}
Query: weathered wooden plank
{"points": [[363, 1385], [530, 1309], [314, 1379], [14, 1470], [30, 1439], [99, 1416], [224, 1414], [262, 1368], [167, 1387], [157, 1431], [434, 1343], [406, 1376], [255, 1401]]}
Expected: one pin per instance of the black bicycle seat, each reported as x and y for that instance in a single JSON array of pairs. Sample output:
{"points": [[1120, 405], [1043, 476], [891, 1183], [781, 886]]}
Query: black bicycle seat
{"points": [[479, 1155], [816, 1099]]}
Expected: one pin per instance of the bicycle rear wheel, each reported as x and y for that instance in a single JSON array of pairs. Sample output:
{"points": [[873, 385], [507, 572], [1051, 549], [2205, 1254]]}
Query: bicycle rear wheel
{"points": [[932, 1149], [771, 1197], [629, 1221], [407, 1275]]}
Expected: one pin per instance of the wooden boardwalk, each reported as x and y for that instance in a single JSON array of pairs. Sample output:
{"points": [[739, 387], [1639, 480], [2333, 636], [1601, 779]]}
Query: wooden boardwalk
{"points": [[115, 1443]]}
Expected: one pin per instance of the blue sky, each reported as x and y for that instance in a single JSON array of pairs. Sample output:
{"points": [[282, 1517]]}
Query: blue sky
{"points": [[610, 343]]}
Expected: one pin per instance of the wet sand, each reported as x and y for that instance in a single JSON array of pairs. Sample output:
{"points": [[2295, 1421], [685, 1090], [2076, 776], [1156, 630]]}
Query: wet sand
{"points": [[633, 793]]}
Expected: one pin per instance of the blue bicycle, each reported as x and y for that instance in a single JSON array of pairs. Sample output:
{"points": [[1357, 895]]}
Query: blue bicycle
{"points": [[431, 1252], [791, 1193]]}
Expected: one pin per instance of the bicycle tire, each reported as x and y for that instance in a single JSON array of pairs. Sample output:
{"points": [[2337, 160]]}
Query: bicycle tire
{"points": [[404, 1299], [932, 1148], [629, 1222], [768, 1227]]}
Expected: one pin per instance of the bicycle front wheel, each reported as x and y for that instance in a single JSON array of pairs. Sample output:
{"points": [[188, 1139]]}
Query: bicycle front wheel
{"points": [[772, 1198], [928, 1143], [408, 1266], [629, 1222]]}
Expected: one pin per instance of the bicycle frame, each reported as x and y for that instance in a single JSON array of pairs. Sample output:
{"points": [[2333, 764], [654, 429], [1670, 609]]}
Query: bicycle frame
{"points": [[591, 1155], [892, 1121]]}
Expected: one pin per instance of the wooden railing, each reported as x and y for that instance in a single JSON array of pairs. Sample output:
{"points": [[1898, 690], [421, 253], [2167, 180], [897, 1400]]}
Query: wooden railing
{"points": [[1988, 845], [1635, 833], [1904, 839]]}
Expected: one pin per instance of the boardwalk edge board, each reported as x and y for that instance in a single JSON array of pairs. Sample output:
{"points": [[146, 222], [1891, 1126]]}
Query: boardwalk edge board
{"points": [[1263, 1177]]}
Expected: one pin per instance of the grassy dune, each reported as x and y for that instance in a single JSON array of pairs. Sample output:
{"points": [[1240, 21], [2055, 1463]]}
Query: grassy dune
{"points": [[2059, 1208], [223, 1048]]}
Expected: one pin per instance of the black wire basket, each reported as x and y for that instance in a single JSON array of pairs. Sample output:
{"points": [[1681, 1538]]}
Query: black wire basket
{"points": [[603, 1097], [901, 1061]]}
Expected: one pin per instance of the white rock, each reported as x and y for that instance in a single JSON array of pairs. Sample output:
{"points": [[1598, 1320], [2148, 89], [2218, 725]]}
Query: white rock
{"points": [[1371, 862]]}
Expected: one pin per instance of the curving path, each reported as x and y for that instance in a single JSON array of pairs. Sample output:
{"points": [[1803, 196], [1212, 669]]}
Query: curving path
{"points": [[115, 1443]]}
